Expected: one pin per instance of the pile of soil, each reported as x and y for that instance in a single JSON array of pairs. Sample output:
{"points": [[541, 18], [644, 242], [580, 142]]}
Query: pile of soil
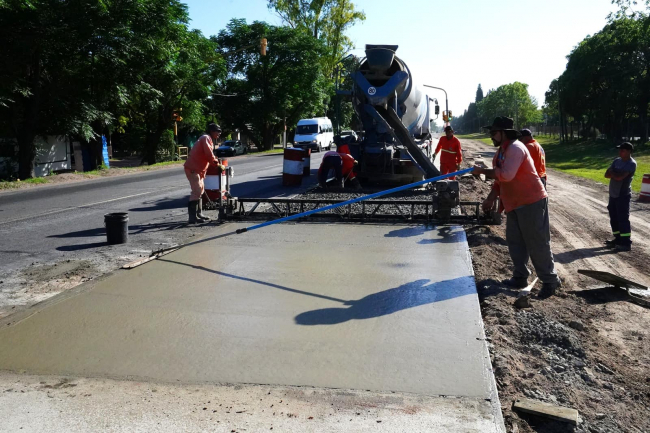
{"points": [[586, 348]]}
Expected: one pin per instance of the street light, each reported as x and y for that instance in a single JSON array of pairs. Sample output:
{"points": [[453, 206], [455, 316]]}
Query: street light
{"points": [[446, 100]]}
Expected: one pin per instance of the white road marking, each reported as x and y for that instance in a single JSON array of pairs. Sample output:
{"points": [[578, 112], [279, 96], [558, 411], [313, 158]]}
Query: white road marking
{"points": [[87, 205]]}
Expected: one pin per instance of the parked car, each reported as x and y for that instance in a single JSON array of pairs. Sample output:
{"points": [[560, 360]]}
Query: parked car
{"points": [[349, 133], [231, 148], [316, 134]]}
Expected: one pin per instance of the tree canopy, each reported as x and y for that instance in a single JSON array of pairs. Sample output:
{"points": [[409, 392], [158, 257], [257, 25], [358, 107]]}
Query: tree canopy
{"points": [[606, 82], [259, 92], [86, 68]]}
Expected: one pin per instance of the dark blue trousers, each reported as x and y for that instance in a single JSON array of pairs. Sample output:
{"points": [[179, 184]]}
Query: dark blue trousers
{"points": [[619, 219], [333, 162]]}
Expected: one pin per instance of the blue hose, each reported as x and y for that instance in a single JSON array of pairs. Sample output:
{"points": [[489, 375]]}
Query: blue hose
{"points": [[355, 200]]}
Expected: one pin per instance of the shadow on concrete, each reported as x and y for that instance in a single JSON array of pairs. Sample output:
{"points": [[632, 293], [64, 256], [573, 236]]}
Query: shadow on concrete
{"points": [[408, 232], [414, 294], [447, 236], [133, 230], [582, 253], [79, 247], [100, 231], [166, 203], [251, 280]]}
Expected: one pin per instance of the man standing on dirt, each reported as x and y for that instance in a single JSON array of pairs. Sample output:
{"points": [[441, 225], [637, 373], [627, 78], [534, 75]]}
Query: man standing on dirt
{"points": [[620, 175], [452, 154], [536, 152], [525, 201], [200, 157]]}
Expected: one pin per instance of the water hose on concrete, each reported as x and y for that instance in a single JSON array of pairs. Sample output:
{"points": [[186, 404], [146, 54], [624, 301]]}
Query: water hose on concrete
{"points": [[355, 200]]}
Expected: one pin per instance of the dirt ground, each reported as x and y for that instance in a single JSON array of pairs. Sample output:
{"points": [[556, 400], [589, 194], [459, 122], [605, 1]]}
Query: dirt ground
{"points": [[587, 348]]}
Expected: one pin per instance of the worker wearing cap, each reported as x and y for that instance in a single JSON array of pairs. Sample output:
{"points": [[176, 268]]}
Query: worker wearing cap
{"points": [[525, 201], [452, 154], [620, 175], [343, 166], [200, 157], [536, 152]]}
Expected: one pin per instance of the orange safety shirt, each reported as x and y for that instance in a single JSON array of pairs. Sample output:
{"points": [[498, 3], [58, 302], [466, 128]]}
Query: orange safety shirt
{"points": [[538, 155], [516, 179], [201, 156], [451, 151], [347, 166]]}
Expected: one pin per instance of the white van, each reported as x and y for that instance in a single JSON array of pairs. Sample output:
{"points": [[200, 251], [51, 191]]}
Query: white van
{"points": [[316, 134]]}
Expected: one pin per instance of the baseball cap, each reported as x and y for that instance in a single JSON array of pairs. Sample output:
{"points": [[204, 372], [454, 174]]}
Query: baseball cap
{"points": [[526, 133], [626, 145]]}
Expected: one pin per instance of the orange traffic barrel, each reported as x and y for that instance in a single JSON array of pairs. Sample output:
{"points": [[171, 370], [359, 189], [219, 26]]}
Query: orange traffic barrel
{"points": [[306, 163], [292, 167], [215, 181], [645, 188]]}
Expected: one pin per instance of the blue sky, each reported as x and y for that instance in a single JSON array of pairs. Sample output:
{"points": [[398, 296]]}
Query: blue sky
{"points": [[454, 44]]}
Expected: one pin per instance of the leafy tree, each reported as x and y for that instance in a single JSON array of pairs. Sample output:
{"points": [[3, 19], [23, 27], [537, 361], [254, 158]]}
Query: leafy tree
{"points": [[606, 80], [512, 100], [88, 67], [260, 91], [326, 20], [479, 94]]}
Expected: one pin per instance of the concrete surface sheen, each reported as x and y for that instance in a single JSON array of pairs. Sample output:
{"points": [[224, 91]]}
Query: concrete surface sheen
{"points": [[369, 307]]}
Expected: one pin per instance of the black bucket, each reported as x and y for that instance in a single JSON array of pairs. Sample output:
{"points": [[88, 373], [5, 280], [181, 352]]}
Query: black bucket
{"points": [[117, 227]]}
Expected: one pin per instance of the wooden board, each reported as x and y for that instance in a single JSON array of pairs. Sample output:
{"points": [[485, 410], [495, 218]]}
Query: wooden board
{"points": [[147, 259], [559, 413]]}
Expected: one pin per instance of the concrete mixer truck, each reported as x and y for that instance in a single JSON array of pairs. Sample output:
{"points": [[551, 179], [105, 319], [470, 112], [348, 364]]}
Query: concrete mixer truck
{"points": [[395, 114]]}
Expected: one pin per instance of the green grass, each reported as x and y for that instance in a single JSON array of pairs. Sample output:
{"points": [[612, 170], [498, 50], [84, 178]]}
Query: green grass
{"points": [[268, 151], [586, 158], [10, 184], [590, 159]]}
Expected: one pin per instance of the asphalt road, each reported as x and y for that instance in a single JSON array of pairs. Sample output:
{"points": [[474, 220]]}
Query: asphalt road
{"points": [[47, 222]]}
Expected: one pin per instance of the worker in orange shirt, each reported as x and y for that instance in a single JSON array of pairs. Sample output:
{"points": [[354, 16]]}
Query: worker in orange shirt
{"points": [[525, 201], [452, 154], [200, 157], [536, 152], [342, 164]]}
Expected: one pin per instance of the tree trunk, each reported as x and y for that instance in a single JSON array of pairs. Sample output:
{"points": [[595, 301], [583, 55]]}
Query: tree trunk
{"points": [[643, 118], [26, 154], [267, 137], [151, 147]]}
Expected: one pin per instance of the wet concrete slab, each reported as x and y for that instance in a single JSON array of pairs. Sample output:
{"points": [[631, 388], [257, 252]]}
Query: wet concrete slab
{"points": [[384, 308]]}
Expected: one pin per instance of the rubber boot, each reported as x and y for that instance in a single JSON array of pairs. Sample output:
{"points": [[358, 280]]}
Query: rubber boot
{"points": [[191, 211], [199, 213]]}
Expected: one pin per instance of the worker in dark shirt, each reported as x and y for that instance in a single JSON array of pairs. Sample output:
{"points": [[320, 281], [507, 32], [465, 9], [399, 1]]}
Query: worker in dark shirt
{"points": [[620, 175]]}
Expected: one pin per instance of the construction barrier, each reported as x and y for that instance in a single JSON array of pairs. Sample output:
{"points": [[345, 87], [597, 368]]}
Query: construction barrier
{"points": [[215, 181], [645, 188], [292, 167], [306, 163]]}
